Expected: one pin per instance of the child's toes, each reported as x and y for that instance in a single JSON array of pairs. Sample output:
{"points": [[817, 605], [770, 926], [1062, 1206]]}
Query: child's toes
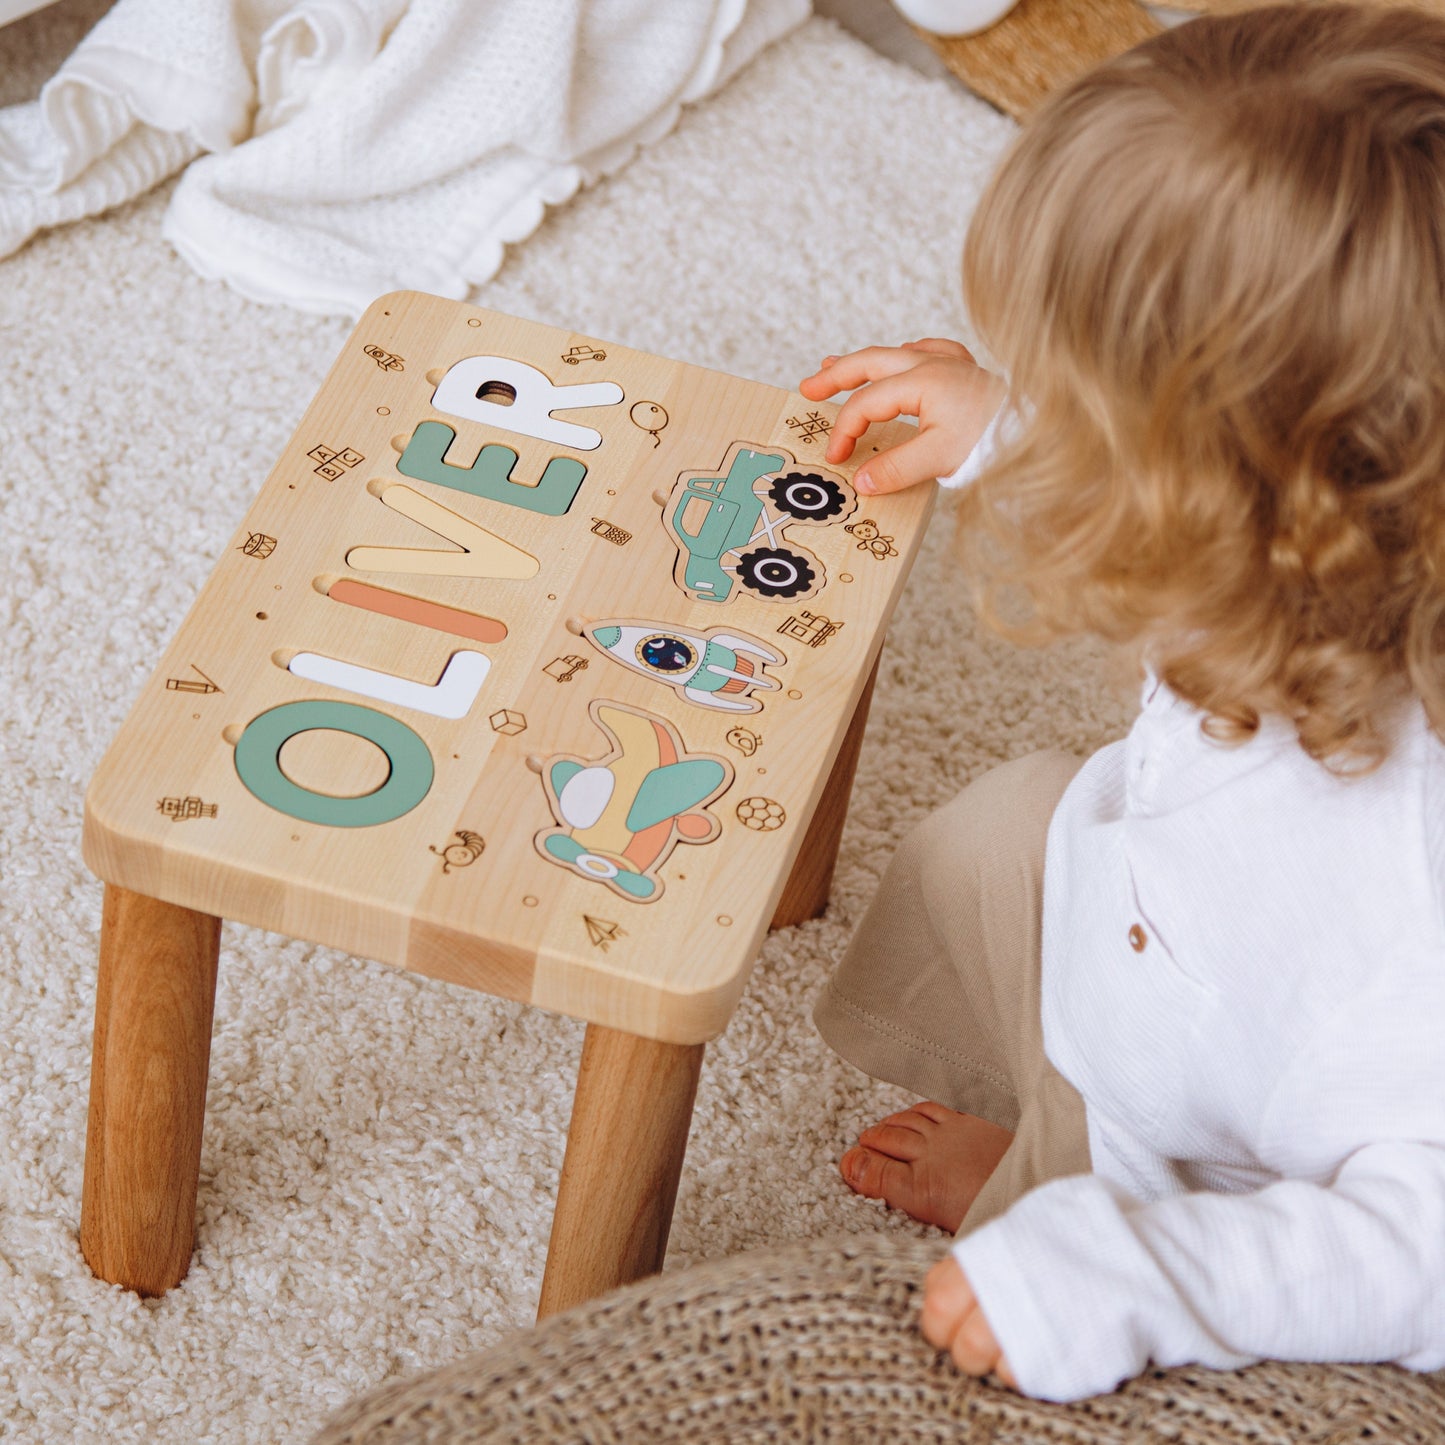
{"points": [[916, 1118], [899, 1183], [934, 1112], [895, 1140], [875, 1175]]}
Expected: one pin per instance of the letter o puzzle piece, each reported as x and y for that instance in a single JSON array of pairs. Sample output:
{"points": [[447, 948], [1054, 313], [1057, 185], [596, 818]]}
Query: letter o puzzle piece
{"points": [[258, 764]]}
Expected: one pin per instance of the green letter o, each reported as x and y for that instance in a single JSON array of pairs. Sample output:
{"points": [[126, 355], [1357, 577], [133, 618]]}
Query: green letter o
{"points": [[258, 763]]}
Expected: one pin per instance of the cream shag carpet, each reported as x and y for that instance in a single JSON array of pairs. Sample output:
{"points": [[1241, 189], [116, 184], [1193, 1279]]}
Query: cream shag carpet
{"points": [[381, 1151]]}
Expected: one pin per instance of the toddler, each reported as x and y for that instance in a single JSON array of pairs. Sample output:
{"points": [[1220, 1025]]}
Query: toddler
{"points": [[1179, 1012]]}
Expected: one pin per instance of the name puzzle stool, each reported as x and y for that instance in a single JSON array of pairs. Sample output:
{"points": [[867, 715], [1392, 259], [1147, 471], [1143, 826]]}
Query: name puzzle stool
{"points": [[538, 665]]}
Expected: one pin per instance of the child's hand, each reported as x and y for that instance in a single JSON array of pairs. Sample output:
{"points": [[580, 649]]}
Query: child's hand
{"points": [[952, 1321], [937, 381]]}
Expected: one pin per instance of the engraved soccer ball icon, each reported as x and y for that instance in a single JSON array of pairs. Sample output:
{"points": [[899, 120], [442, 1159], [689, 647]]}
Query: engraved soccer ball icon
{"points": [[761, 814]]}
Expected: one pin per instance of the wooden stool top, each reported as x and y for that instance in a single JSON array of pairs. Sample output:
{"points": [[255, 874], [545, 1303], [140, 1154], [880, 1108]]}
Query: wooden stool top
{"points": [[525, 669]]}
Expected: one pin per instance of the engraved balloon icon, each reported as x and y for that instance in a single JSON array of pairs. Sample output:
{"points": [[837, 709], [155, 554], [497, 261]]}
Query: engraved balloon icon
{"points": [[651, 418]]}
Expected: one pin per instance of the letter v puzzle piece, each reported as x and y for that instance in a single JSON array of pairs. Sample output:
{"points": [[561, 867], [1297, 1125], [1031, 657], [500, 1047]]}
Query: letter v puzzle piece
{"points": [[483, 554]]}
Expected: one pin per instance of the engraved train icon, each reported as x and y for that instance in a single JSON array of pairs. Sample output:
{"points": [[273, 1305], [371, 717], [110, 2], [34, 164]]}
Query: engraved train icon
{"points": [[717, 669]]}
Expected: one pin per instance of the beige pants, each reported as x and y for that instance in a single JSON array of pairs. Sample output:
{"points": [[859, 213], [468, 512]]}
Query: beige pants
{"points": [[939, 989]]}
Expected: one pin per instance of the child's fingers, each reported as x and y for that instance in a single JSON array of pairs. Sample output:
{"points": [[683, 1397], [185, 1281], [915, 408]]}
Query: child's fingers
{"points": [[872, 363], [844, 373], [947, 1282], [947, 1299], [923, 458], [974, 1349], [941, 346], [936, 1326], [952, 1320], [886, 398]]}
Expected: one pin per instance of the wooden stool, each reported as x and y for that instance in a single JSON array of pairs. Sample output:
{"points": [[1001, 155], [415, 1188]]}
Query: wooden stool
{"points": [[538, 665]]}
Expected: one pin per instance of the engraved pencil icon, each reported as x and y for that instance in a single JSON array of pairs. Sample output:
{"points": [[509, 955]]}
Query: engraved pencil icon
{"points": [[190, 684]]}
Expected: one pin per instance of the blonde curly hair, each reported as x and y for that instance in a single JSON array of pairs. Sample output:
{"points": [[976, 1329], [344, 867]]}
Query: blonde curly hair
{"points": [[1215, 270]]}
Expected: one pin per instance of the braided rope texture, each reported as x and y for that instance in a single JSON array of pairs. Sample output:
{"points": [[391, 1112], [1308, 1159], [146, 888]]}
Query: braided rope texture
{"points": [[818, 1342]]}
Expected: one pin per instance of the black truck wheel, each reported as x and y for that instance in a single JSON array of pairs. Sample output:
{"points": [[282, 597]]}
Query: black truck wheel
{"points": [[776, 572], [807, 496]]}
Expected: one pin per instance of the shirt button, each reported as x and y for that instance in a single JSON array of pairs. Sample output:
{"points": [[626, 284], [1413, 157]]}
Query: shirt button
{"points": [[1137, 938]]}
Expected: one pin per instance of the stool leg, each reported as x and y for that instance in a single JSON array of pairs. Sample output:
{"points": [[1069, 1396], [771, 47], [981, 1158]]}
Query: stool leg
{"points": [[630, 1117], [805, 895], [153, 1006]]}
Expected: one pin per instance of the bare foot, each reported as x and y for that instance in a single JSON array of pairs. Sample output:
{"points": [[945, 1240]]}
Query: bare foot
{"points": [[927, 1161]]}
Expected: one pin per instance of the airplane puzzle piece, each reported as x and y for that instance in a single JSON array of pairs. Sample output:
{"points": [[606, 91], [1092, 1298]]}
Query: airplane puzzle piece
{"points": [[620, 816]]}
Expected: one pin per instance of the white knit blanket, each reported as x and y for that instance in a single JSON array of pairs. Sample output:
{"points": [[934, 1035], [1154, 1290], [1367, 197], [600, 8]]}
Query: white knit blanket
{"points": [[339, 149]]}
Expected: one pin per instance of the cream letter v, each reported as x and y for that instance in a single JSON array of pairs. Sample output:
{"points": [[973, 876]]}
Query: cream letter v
{"points": [[483, 553]]}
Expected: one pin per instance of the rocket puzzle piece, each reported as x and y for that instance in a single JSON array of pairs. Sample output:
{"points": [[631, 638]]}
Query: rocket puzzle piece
{"points": [[621, 815], [715, 669]]}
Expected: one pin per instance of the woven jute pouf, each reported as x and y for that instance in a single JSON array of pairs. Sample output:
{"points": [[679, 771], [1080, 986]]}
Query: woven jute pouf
{"points": [[1040, 46], [1228, 7], [818, 1342]]}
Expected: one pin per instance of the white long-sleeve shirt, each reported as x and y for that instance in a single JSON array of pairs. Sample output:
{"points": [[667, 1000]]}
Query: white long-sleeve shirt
{"points": [[1244, 977]]}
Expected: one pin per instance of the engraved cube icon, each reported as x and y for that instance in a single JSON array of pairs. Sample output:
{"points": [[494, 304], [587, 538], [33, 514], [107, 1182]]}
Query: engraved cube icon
{"points": [[507, 721]]}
